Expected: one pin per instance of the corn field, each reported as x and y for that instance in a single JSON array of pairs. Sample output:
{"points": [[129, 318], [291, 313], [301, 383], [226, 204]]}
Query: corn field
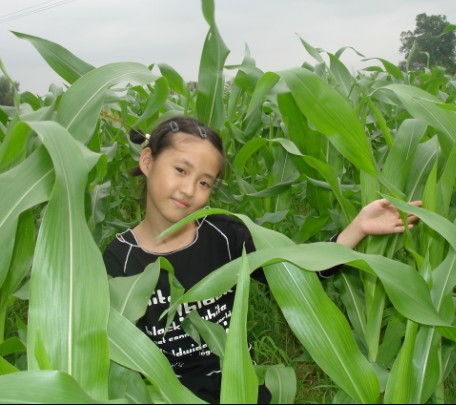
{"points": [[307, 148]]}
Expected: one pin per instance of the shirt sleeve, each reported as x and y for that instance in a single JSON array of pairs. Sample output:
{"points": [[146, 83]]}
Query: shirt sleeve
{"points": [[113, 263], [333, 270], [244, 239]]}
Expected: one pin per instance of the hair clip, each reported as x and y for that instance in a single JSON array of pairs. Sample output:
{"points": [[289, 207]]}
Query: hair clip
{"points": [[174, 127], [146, 140], [202, 132]]}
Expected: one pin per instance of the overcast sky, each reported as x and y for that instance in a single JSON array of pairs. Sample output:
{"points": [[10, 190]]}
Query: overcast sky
{"points": [[173, 32]]}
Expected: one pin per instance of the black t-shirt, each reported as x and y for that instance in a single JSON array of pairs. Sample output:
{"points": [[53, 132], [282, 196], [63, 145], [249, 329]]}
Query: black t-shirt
{"points": [[219, 239]]}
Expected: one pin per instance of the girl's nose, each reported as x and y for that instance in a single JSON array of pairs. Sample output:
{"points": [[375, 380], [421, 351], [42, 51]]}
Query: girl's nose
{"points": [[187, 187]]}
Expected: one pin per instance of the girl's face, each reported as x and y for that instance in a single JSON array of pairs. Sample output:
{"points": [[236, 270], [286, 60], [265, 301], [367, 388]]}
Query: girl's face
{"points": [[180, 178]]}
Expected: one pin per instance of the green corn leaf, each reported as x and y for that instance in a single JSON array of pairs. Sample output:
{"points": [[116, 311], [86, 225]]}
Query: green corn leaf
{"points": [[6, 368], [423, 105], [175, 80], [68, 316], [68, 66], [281, 382], [239, 380], [213, 334], [11, 345], [400, 385], [399, 160], [130, 295], [154, 103], [332, 115], [131, 348], [263, 87], [342, 75], [80, 106], [435, 221], [28, 185], [209, 102], [426, 365], [44, 387], [22, 256]]}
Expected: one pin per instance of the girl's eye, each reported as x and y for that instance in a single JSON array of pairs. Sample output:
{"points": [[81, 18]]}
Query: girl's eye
{"points": [[180, 170], [205, 184]]}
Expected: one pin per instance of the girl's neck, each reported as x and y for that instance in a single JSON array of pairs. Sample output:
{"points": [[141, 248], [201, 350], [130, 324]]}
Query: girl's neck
{"points": [[148, 235]]}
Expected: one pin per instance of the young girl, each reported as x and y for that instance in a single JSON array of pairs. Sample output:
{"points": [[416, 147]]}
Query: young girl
{"points": [[181, 162]]}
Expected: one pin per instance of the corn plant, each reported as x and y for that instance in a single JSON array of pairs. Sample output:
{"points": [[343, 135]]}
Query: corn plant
{"points": [[307, 147]]}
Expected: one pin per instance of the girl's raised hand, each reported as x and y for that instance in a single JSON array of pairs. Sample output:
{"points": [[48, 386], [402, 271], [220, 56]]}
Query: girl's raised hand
{"points": [[379, 217]]}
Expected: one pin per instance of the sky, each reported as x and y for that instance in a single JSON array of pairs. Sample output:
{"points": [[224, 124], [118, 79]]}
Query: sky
{"points": [[173, 32]]}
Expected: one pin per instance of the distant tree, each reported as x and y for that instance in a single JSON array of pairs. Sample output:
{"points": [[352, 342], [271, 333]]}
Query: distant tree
{"points": [[7, 91], [431, 45]]}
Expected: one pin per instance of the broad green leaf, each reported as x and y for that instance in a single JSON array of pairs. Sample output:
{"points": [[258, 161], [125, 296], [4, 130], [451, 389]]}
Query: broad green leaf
{"points": [[281, 382], [392, 69], [435, 221], [129, 384], [425, 155], [263, 87], [11, 345], [375, 298], [239, 380], [6, 368], [426, 365], [12, 149], [400, 385], [43, 387], [175, 80], [445, 184], [246, 79], [381, 122], [97, 207], [154, 103], [350, 288], [310, 227], [444, 281], [314, 52], [322, 330], [211, 83], [69, 297], [341, 74], [80, 106], [273, 191], [274, 247], [331, 114], [396, 277], [330, 176], [423, 105], [131, 348], [435, 243], [399, 160], [64, 63], [22, 256], [130, 295], [247, 151], [392, 340], [28, 185], [312, 316], [213, 334]]}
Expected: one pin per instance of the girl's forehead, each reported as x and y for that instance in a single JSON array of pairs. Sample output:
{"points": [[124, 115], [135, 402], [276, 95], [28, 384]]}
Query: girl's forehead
{"points": [[182, 137], [187, 143], [192, 148]]}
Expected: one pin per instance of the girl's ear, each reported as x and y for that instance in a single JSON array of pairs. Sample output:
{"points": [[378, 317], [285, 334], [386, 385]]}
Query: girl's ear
{"points": [[145, 160]]}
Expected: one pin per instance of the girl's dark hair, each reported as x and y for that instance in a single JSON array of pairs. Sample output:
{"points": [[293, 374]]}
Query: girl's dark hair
{"points": [[162, 137]]}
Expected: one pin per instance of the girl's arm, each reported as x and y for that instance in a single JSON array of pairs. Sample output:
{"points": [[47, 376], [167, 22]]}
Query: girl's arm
{"points": [[379, 217]]}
